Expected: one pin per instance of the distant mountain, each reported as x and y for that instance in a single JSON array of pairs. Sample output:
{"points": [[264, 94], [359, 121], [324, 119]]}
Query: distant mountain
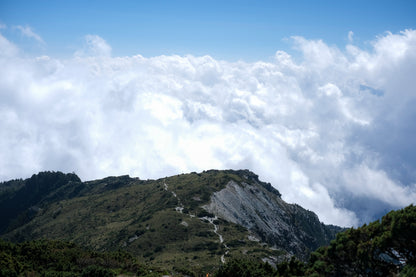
{"points": [[190, 221]]}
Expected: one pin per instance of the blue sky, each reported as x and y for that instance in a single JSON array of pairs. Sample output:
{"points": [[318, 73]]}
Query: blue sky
{"points": [[231, 30], [316, 97]]}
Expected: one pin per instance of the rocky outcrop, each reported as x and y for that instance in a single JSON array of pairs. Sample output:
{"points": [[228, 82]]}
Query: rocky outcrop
{"points": [[254, 205]]}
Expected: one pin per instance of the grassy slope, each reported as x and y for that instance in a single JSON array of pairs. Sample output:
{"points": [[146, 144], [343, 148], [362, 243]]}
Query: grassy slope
{"points": [[381, 248], [140, 217]]}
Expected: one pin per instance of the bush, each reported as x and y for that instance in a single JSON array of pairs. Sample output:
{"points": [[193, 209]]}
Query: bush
{"points": [[408, 271], [97, 271], [203, 213], [245, 268]]}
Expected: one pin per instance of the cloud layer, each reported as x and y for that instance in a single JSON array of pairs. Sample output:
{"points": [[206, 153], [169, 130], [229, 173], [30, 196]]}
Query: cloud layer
{"points": [[333, 130]]}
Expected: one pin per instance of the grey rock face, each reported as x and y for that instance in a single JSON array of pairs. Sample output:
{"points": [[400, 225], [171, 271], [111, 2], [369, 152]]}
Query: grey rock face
{"points": [[261, 210]]}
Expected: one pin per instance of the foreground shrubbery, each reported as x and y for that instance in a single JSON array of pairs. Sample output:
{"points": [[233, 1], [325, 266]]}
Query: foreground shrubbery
{"points": [[250, 268], [382, 248], [57, 258]]}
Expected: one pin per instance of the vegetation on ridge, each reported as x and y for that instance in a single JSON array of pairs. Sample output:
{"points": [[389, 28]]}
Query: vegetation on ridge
{"points": [[159, 221], [58, 258], [162, 224], [381, 248], [18, 198]]}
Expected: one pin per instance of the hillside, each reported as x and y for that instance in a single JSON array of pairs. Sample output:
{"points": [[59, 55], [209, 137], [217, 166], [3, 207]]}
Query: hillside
{"points": [[185, 222], [382, 248], [57, 258]]}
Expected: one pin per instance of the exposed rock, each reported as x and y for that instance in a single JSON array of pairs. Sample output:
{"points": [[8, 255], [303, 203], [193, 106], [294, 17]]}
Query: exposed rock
{"points": [[261, 210]]}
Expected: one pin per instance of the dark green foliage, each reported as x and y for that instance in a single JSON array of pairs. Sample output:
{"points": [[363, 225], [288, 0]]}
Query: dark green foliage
{"points": [[292, 268], [377, 249], [203, 213], [96, 271], [408, 271], [255, 268], [245, 268], [57, 258], [21, 200]]}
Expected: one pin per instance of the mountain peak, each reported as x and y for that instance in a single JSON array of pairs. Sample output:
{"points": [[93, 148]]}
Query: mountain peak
{"points": [[200, 219], [260, 209]]}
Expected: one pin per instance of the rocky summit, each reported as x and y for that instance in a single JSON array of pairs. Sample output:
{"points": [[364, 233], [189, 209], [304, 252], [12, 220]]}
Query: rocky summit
{"points": [[258, 207]]}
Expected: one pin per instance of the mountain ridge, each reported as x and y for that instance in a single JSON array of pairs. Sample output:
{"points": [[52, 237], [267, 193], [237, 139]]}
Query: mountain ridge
{"points": [[170, 220]]}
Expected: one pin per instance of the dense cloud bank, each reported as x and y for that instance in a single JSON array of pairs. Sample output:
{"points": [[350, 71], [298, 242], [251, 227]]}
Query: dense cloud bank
{"points": [[334, 131]]}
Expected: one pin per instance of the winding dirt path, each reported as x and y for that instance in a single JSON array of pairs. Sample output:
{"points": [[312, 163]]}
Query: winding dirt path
{"points": [[211, 220]]}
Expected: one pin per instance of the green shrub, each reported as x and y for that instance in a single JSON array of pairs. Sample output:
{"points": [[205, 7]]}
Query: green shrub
{"points": [[96, 271], [245, 268]]}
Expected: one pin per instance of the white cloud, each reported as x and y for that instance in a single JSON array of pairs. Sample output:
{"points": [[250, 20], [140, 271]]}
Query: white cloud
{"points": [[364, 181], [328, 131], [350, 36], [8, 49], [28, 32], [95, 46]]}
